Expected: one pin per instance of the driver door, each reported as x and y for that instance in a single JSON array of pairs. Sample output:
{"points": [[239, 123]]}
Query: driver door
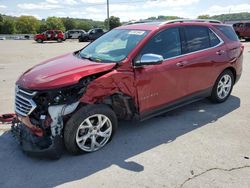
{"points": [[159, 85]]}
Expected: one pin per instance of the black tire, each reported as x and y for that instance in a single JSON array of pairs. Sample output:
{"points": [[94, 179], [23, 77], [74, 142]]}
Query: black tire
{"points": [[59, 40], [71, 127], [215, 93], [80, 39], [39, 40], [85, 39]]}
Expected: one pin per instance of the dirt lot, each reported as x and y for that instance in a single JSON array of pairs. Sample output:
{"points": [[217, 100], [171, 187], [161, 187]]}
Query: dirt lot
{"points": [[200, 145]]}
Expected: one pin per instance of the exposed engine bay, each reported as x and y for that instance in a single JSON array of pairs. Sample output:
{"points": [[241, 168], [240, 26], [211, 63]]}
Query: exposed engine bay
{"points": [[41, 115]]}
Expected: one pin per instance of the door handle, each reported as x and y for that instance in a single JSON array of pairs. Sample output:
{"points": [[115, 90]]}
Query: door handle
{"points": [[179, 64], [220, 52]]}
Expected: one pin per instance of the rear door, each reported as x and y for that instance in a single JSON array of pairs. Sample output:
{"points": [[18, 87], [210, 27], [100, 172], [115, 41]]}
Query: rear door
{"points": [[202, 49]]}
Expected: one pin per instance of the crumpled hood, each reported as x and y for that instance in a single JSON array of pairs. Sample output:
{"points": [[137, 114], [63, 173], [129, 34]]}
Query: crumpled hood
{"points": [[60, 72]]}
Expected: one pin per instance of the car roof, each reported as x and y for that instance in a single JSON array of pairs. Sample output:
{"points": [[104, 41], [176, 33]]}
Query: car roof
{"points": [[152, 25]]}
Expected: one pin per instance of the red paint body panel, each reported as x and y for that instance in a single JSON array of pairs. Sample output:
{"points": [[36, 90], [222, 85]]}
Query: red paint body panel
{"points": [[111, 83], [60, 72]]}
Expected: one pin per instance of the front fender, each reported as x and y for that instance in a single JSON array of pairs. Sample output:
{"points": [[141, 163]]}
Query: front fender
{"points": [[111, 83]]}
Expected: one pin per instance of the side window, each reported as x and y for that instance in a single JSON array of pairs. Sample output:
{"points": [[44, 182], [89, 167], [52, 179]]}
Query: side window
{"points": [[197, 38], [248, 25], [166, 43], [214, 40], [228, 31]]}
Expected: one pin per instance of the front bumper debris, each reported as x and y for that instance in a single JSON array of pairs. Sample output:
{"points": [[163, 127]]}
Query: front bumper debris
{"points": [[35, 146]]}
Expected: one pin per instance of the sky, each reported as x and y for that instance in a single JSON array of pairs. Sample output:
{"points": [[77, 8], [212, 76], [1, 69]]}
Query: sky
{"points": [[127, 10]]}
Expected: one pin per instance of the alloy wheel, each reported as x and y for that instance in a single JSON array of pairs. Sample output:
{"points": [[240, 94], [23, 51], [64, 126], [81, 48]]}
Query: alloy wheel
{"points": [[94, 132], [224, 86]]}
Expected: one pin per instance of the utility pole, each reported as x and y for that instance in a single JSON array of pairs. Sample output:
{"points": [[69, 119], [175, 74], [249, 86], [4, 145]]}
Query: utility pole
{"points": [[108, 13]]}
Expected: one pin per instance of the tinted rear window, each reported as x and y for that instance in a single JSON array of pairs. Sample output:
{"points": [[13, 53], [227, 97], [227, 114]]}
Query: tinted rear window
{"points": [[228, 32], [197, 38]]}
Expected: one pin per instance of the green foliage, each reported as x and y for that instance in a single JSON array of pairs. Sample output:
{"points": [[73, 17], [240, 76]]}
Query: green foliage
{"points": [[69, 23], [42, 27], [232, 17], [205, 16], [168, 17], [27, 24], [1, 23], [55, 23], [83, 25], [8, 26], [152, 18], [1, 18], [113, 22], [228, 17]]}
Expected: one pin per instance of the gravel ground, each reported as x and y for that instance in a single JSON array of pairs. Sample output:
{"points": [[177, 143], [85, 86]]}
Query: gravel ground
{"points": [[199, 145]]}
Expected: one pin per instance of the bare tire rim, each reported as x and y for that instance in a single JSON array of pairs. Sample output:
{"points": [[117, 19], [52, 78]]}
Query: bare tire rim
{"points": [[224, 86], [94, 132]]}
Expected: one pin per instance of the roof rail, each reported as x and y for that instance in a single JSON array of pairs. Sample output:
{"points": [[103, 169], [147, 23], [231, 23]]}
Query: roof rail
{"points": [[138, 22], [191, 20]]}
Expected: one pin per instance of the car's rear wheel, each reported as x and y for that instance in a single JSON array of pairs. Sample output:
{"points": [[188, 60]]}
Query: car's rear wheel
{"points": [[59, 40], [90, 129], [223, 87]]}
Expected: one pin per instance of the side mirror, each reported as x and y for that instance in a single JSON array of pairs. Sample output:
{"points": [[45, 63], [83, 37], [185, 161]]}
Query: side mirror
{"points": [[150, 59]]}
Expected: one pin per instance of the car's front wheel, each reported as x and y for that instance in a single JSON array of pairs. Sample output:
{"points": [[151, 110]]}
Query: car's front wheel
{"points": [[39, 40], [223, 87], [89, 129]]}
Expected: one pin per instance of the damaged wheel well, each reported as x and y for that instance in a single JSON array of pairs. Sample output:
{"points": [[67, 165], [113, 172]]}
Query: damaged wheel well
{"points": [[123, 106]]}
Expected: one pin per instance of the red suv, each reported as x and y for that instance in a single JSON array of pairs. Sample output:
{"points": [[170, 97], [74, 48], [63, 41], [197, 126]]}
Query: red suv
{"points": [[50, 35], [242, 29], [132, 72]]}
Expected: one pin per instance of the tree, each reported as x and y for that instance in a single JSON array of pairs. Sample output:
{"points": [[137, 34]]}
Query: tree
{"points": [[168, 17], [27, 24], [205, 16], [8, 26], [1, 23], [113, 22], [42, 27], [84, 25], [69, 23], [55, 23]]}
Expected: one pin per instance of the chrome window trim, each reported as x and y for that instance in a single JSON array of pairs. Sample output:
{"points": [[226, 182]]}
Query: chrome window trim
{"points": [[182, 55], [221, 42]]}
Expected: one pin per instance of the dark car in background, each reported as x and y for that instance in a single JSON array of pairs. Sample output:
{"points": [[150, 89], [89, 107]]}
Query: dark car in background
{"points": [[74, 34], [49, 35], [242, 29], [92, 35]]}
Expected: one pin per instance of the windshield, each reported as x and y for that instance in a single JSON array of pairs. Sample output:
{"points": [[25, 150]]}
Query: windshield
{"points": [[113, 46]]}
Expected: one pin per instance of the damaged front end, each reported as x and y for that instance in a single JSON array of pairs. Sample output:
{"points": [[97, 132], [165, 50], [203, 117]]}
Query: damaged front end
{"points": [[41, 116]]}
